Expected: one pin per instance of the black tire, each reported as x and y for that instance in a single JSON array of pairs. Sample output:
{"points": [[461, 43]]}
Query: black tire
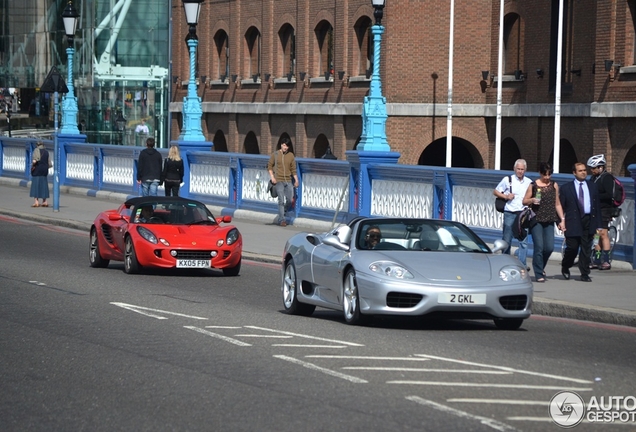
{"points": [[233, 271], [94, 256], [351, 300], [290, 292], [131, 265], [508, 323]]}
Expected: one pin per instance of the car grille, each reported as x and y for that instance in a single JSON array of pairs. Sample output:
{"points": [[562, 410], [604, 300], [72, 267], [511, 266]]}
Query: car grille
{"points": [[194, 255], [107, 232], [515, 302], [402, 300], [226, 254]]}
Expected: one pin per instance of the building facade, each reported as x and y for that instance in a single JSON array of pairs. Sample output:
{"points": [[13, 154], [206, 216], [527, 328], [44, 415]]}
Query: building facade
{"points": [[271, 69]]}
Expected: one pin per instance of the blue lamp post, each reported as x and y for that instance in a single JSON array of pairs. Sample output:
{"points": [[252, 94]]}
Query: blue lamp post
{"points": [[70, 16], [192, 111], [374, 115]]}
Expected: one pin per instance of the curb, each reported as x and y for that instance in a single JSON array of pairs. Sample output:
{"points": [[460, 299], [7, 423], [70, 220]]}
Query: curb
{"points": [[561, 309]]}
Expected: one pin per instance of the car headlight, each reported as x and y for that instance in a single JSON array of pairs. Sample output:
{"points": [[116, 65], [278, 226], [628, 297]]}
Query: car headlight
{"points": [[390, 269], [513, 274], [232, 236], [147, 234]]}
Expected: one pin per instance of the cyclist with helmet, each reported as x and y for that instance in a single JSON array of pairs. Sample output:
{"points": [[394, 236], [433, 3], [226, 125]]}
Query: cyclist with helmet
{"points": [[604, 185]]}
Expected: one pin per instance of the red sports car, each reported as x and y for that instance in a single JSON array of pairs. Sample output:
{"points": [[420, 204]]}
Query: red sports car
{"points": [[165, 232]]}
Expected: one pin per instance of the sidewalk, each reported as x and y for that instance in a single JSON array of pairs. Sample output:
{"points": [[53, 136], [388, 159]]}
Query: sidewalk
{"points": [[611, 298]]}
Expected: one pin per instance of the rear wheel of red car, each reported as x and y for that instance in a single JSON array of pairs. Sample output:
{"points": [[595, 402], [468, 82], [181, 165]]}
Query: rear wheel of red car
{"points": [[290, 292], [508, 323], [233, 271], [94, 256], [351, 300], [131, 265]]}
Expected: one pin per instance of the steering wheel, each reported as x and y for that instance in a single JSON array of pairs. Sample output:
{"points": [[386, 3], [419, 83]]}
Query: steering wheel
{"points": [[155, 219]]}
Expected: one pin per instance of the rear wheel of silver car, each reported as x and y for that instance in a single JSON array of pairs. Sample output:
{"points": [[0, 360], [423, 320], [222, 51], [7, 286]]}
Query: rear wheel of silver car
{"points": [[508, 323], [351, 299], [131, 265], [290, 292], [94, 256], [232, 271]]}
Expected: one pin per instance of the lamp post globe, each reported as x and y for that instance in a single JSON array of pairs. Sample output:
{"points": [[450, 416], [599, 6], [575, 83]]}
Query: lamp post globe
{"points": [[192, 110], [70, 17]]}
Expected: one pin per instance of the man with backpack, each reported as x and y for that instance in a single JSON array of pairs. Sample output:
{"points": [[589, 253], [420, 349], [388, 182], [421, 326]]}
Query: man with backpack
{"points": [[606, 186]]}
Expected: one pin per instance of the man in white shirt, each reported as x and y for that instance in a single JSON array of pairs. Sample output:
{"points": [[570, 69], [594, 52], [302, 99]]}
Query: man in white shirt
{"points": [[142, 128], [513, 189]]}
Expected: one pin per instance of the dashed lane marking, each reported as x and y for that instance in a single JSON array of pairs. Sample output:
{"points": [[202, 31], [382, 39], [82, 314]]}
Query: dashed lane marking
{"points": [[142, 310], [218, 336], [305, 336], [398, 369], [307, 346], [321, 369], [499, 401], [465, 384], [494, 424], [415, 359]]}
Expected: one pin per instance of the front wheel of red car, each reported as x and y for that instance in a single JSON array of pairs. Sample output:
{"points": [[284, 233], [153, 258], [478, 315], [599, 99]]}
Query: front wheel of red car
{"points": [[233, 271], [94, 256], [131, 265]]}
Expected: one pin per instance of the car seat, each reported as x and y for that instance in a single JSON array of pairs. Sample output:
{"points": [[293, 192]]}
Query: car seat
{"points": [[428, 240]]}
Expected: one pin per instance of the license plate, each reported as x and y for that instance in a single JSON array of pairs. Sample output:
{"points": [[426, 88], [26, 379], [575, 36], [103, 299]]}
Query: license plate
{"points": [[463, 299], [186, 263]]}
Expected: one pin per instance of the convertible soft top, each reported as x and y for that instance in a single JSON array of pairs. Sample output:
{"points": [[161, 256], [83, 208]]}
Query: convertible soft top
{"points": [[152, 200]]}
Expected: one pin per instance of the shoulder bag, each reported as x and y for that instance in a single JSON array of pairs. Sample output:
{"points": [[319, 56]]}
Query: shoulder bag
{"points": [[500, 203], [270, 186]]}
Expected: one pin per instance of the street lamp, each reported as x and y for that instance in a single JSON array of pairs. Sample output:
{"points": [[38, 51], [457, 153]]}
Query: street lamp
{"points": [[192, 110], [374, 114], [120, 121], [70, 16]]}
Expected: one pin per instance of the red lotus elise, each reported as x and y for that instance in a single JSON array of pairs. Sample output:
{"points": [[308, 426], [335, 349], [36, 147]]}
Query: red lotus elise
{"points": [[165, 232]]}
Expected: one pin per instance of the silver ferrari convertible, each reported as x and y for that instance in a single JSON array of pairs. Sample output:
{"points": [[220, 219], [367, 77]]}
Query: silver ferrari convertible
{"points": [[409, 267]]}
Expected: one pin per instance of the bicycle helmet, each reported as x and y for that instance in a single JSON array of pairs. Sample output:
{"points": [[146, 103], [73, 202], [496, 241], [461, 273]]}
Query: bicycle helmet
{"points": [[595, 161]]}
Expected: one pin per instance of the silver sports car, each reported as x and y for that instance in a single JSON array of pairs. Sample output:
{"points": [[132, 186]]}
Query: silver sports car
{"points": [[410, 267]]}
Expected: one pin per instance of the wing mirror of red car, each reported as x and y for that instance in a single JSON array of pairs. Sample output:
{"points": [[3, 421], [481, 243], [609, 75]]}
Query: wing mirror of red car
{"points": [[224, 219], [114, 216]]}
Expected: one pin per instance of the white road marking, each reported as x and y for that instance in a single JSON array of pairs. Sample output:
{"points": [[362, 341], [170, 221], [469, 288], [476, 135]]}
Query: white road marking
{"points": [[467, 371], [224, 338], [307, 346], [305, 336], [321, 369], [494, 424], [37, 283], [534, 419], [263, 336], [368, 358], [139, 310], [576, 380], [499, 401], [224, 327], [463, 384]]}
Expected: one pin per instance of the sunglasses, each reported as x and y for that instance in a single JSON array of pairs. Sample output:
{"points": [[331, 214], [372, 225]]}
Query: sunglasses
{"points": [[374, 236]]}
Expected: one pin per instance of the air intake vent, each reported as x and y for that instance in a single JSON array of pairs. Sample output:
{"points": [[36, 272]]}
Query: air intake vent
{"points": [[402, 300], [516, 302]]}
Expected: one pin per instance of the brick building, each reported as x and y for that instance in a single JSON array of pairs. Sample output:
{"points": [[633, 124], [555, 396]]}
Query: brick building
{"points": [[272, 69]]}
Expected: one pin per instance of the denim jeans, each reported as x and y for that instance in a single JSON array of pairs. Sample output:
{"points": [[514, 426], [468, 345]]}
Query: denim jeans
{"points": [[285, 192], [509, 219], [543, 240], [149, 188]]}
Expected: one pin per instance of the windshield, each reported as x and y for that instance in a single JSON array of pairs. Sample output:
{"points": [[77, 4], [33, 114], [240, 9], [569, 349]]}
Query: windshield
{"points": [[418, 235], [180, 213]]}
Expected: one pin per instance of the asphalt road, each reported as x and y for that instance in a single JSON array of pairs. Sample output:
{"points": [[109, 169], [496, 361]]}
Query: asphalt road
{"points": [[96, 349]]}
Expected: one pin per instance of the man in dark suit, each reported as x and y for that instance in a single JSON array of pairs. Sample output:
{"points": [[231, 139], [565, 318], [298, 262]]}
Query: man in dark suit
{"points": [[582, 208]]}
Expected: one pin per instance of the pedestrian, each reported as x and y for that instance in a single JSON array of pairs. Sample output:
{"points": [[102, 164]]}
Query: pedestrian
{"points": [[172, 175], [582, 208], [142, 128], [604, 182], [282, 167], [513, 189], [39, 171], [328, 154], [543, 197], [149, 169]]}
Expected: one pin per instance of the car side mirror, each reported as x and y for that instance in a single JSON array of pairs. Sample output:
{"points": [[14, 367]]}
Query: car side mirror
{"points": [[332, 240], [224, 219], [114, 217], [500, 245]]}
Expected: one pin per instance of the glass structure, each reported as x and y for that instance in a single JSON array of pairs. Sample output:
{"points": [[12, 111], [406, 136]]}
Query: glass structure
{"points": [[121, 64]]}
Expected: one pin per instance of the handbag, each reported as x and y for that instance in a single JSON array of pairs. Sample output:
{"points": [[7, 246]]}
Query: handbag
{"points": [[33, 165], [272, 189], [500, 203]]}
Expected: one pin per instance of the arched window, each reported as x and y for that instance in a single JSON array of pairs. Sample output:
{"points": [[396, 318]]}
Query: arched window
{"points": [[364, 39], [320, 146], [324, 42], [221, 64], [250, 145], [252, 50], [287, 58], [220, 144], [512, 44]]}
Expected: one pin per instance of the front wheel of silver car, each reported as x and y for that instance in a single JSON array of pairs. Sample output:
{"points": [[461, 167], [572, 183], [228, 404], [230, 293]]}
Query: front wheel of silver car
{"points": [[508, 323], [131, 265], [351, 299], [290, 292]]}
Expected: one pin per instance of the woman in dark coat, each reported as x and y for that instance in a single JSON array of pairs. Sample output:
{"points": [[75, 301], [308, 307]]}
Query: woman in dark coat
{"points": [[39, 171], [172, 175]]}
